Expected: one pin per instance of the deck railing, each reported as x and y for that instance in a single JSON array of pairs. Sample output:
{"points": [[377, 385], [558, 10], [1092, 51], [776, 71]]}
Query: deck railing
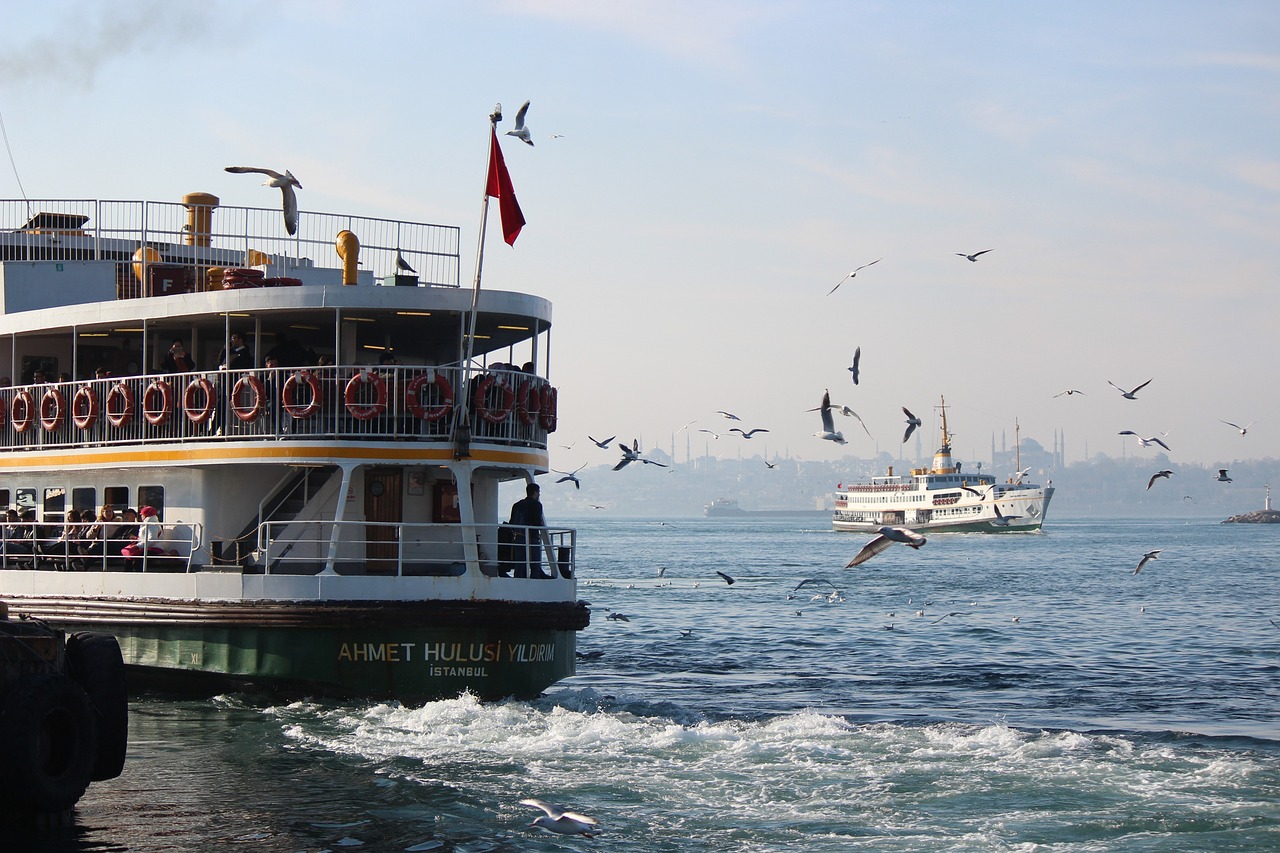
{"points": [[93, 547], [86, 229], [279, 404], [406, 549]]}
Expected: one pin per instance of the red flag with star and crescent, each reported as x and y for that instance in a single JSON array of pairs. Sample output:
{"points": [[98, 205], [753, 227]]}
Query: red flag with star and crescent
{"points": [[500, 188]]}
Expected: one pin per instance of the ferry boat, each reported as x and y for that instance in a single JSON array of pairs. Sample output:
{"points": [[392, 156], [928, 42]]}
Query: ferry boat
{"points": [[728, 508], [942, 499], [323, 522]]}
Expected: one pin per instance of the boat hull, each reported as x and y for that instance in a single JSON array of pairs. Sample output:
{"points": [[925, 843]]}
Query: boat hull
{"points": [[381, 650], [1025, 509]]}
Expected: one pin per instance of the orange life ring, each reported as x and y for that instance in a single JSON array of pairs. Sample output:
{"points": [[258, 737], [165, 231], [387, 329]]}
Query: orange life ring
{"points": [[529, 391], [84, 407], [496, 414], [413, 396], [198, 415], [250, 414], [119, 415], [155, 416], [22, 411], [547, 417], [53, 409], [288, 396], [365, 411]]}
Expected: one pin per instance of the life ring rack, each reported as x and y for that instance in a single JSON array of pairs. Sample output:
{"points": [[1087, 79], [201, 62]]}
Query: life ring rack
{"points": [[199, 414], [289, 395], [248, 414], [496, 414], [84, 407], [53, 409], [22, 411], [119, 415], [365, 411], [548, 416], [152, 415], [413, 396], [529, 392]]}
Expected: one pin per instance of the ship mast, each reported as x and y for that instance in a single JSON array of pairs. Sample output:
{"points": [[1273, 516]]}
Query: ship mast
{"points": [[946, 439], [1017, 449]]}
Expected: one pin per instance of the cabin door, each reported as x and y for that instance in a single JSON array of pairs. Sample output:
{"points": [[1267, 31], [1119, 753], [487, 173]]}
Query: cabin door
{"points": [[383, 504]]}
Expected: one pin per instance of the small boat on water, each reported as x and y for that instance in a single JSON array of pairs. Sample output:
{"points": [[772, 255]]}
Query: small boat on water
{"points": [[942, 499], [318, 471]]}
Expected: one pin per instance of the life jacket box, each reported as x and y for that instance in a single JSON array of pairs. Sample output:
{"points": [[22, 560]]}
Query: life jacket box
{"points": [[166, 279]]}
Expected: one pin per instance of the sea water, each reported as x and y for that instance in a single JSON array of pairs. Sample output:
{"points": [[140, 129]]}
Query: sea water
{"points": [[1018, 692]]}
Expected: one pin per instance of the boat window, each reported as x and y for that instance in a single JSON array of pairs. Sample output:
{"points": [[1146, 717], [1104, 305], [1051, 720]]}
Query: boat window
{"points": [[117, 497], [84, 499], [54, 505], [152, 496], [26, 500], [4, 499]]}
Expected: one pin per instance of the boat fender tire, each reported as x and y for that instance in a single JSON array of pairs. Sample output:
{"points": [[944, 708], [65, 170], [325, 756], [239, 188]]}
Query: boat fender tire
{"points": [[550, 400], [95, 662], [528, 402], [122, 414], [53, 409], [413, 396], [365, 411], [50, 735], [152, 415], [84, 407], [22, 411], [494, 414], [289, 395], [199, 414], [250, 414]]}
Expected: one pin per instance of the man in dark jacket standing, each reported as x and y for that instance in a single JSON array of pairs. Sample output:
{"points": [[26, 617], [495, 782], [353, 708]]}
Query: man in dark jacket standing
{"points": [[527, 517]]}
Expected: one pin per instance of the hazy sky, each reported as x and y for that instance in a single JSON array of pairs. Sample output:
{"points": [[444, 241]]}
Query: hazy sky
{"points": [[724, 164]]}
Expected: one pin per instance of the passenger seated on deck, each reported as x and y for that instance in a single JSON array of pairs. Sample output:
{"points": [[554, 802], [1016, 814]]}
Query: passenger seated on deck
{"points": [[16, 545], [93, 544], [150, 533], [122, 536]]}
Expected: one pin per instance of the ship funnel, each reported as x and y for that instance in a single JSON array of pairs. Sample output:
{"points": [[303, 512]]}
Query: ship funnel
{"points": [[348, 246], [199, 218]]}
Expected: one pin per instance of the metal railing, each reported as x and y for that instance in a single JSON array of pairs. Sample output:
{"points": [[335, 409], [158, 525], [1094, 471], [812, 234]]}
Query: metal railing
{"points": [[411, 549], [98, 547]]}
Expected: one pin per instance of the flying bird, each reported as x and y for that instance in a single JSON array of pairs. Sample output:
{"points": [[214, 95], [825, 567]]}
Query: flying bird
{"points": [[851, 275], [558, 820], [570, 476], [808, 581], [1222, 476], [402, 264], [632, 454], [1068, 392], [1129, 395], [1242, 429], [603, 444], [912, 423], [1166, 473], [888, 535], [1002, 520], [857, 354], [618, 617], [828, 431], [1147, 558], [521, 132], [769, 465], [747, 433], [974, 256], [1145, 442], [712, 433], [730, 581], [286, 183], [728, 415]]}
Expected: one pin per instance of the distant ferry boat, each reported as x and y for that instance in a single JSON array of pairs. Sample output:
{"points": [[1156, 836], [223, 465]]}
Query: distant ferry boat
{"points": [[728, 508], [942, 499], [326, 523]]}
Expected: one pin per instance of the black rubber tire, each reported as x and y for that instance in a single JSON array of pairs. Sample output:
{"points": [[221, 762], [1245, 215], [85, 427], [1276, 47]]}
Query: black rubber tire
{"points": [[50, 738], [94, 661]]}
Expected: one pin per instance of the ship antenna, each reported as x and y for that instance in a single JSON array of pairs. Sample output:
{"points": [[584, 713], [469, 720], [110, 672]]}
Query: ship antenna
{"points": [[946, 438], [1017, 448], [13, 164]]}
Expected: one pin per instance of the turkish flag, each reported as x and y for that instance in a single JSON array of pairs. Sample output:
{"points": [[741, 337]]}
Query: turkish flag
{"points": [[500, 188]]}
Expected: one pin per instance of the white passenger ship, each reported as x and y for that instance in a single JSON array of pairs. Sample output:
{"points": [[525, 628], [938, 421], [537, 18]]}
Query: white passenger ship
{"points": [[330, 525], [942, 499]]}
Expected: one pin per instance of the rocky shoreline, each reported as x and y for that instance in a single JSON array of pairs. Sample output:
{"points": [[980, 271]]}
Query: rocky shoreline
{"points": [[1258, 516]]}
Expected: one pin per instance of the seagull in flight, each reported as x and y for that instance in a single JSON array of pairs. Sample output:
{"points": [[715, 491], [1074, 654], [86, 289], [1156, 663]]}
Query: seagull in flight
{"points": [[888, 535], [828, 431], [747, 433], [1145, 442], [727, 579], [1129, 395], [1147, 558], [857, 354], [521, 132], [851, 275], [570, 476], [632, 454], [712, 433], [1002, 520], [1242, 429], [1222, 476], [912, 423], [603, 444], [286, 183], [728, 415], [560, 821], [974, 257], [1068, 392], [769, 465], [1166, 474]]}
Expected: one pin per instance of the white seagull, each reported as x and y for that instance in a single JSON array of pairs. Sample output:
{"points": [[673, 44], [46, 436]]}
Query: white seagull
{"points": [[603, 444], [912, 423], [1145, 442], [286, 183], [560, 821], [728, 415], [402, 264], [857, 354], [828, 431], [888, 535], [570, 476], [1222, 476], [1129, 395], [1242, 429], [747, 433], [521, 132], [1146, 558], [974, 256], [851, 275], [1166, 474], [632, 454], [1068, 392], [712, 433], [1002, 520]]}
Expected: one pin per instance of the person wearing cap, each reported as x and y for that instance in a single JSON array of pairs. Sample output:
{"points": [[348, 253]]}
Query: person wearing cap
{"points": [[150, 532]]}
